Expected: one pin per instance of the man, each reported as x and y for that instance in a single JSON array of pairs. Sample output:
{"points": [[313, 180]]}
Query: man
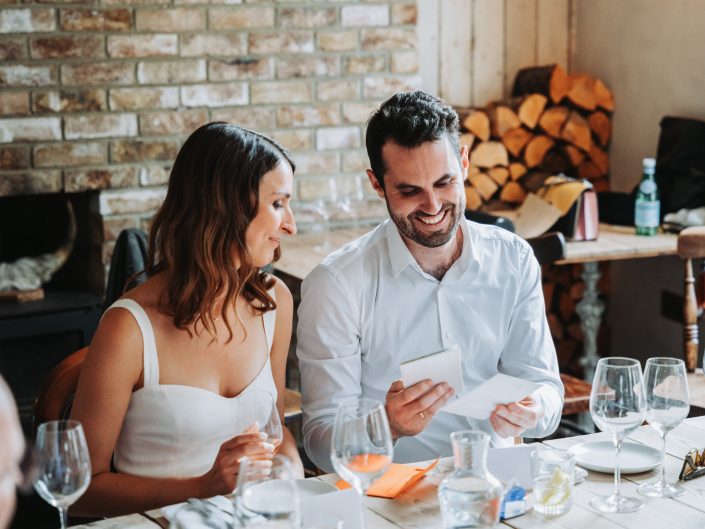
{"points": [[11, 451], [420, 283]]}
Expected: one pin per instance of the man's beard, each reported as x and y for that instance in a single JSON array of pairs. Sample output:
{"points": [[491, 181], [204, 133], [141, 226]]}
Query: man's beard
{"points": [[430, 240]]}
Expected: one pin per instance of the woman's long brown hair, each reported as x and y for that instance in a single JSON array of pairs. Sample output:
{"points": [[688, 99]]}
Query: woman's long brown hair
{"points": [[199, 231]]}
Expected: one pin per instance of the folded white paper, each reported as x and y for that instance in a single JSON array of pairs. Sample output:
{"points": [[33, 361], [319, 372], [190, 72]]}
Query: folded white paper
{"points": [[443, 366], [478, 403], [512, 462], [346, 504]]}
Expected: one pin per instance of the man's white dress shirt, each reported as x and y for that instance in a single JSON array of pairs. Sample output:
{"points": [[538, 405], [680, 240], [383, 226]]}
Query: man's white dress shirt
{"points": [[368, 307]]}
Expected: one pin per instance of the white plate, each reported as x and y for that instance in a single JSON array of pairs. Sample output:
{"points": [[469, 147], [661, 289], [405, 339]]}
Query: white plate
{"points": [[600, 455], [313, 487]]}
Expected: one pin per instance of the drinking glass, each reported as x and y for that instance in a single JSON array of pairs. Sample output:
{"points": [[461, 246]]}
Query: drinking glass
{"points": [[257, 405], [320, 520], [361, 448], [617, 405], [553, 481], [266, 491], [64, 464], [667, 404]]}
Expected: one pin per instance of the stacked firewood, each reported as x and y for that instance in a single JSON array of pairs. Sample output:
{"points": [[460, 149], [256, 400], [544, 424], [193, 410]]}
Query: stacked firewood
{"points": [[553, 123]]}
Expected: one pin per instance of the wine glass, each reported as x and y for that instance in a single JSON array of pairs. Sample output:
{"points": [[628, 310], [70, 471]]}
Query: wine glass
{"points": [[667, 404], [361, 449], [266, 491], [258, 405], [617, 405], [64, 464]]}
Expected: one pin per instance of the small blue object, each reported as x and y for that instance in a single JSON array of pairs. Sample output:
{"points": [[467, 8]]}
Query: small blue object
{"points": [[514, 502]]}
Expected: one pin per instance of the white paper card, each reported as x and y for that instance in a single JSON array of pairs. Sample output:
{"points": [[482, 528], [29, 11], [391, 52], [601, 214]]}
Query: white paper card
{"points": [[512, 462], [500, 389], [347, 504], [443, 366]]}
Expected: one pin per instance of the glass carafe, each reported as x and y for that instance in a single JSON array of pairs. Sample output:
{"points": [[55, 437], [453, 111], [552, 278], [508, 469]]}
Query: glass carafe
{"points": [[470, 496]]}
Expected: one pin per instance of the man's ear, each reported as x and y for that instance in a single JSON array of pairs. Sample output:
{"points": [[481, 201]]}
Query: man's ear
{"points": [[464, 161], [375, 184]]}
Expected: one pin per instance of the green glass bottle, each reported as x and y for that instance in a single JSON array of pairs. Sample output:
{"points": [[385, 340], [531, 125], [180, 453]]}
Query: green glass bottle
{"points": [[648, 206]]}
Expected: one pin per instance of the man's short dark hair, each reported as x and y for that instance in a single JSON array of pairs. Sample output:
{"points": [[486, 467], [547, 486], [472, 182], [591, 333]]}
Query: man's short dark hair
{"points": [[409, 119]]}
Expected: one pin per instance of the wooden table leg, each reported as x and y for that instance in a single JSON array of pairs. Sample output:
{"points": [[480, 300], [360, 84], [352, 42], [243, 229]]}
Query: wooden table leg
{"points": [[590, 311]]}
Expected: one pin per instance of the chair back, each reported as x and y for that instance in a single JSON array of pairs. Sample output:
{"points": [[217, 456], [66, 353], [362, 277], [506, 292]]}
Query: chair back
{"points": [[56, 395], [129, 258]]}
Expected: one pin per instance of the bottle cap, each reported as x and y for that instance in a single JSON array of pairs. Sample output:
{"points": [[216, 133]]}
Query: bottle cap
{"points": [[649, 163]]}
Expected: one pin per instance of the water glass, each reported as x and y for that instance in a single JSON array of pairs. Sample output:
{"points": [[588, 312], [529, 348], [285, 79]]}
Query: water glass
{"points": [[64, 465], [257, 405], [320, 520], [552, 472], [266, 490]]}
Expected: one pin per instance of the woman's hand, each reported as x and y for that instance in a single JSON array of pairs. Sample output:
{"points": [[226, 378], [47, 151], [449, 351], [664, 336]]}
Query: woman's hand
{"points": [[222, 477]]}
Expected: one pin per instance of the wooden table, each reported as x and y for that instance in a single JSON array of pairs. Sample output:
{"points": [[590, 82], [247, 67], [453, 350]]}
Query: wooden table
{"points": [[418, 506]]}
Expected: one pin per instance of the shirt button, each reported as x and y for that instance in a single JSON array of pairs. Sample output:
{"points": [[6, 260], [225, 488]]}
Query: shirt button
{"points": [[449, 334]]}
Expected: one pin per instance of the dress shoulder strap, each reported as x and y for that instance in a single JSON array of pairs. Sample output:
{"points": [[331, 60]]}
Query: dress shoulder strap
{"points": [[270, 318], [149, 347]]}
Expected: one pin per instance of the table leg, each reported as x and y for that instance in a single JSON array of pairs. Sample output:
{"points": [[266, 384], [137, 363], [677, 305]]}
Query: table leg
{"points": [[590, 311]]}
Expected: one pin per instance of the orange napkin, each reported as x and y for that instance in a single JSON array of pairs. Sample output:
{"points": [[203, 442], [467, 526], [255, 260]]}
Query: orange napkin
{"points": [[393, 481]]}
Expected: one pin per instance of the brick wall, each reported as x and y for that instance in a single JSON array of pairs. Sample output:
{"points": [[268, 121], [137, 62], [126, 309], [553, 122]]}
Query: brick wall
{"points": [[99, 94]]}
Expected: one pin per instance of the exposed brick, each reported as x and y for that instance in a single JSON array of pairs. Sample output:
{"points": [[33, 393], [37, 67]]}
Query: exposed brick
{"points": [[308, 67], [29, 129], [150, 3], [307, 17], [21, 75], [14, 157], [256, 118], [172, 122], [100, 178], [359, 112], [310, 189], [131, 201], [166, 72], [240, 17], [338, 90], [96, 19], [66, 47], [97, 73], [142, 150], [338, 41], [100, 126], [389, 39], [405, 62], [30, 183], [362, 64], [223, 45], [383, 87], [364, 15], [137, 98], [281, 42], [62, 154], [281, 92], [337, 138], [404, 14], [216, 95], [241, 68], [142, 45], [293, 140], [69, 101], [170, 19], [27, 20], [316, 163], [155, 175], [308, 116], [14, 103], [355, 161], [112, 226], [13, 48]]}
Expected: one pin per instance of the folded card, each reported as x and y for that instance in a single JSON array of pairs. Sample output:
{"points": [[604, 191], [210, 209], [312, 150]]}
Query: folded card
{"points": [[478, 403], [443, 366]]}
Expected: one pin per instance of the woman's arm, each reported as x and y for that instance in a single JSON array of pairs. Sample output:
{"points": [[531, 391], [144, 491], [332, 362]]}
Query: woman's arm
{"points": [[279, 354]]}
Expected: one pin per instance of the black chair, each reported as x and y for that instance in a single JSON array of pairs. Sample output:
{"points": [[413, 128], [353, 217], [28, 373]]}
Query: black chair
{"points": [[129, 258]]}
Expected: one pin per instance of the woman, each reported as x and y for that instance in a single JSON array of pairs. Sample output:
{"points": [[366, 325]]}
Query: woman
{"points": [[158, 394]]}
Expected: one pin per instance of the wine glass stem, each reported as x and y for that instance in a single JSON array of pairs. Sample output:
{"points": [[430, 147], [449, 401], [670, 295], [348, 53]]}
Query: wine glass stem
{"points": [[63, 517], [662, 479], [363, 504], [617, 470]]}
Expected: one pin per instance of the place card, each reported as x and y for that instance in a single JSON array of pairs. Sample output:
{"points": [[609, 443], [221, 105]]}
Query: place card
{"points": [[478, 403]]}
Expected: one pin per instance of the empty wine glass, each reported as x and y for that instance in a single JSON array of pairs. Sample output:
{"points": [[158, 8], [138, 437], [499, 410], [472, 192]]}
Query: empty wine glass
{"points": [[617, 405], [266, 490], [361, 449], [64, 464], [257, 405], [667, 404]]}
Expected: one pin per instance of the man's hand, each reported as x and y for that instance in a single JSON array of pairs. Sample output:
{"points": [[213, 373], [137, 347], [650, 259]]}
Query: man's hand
{"points": [[410, 409], [511, 420]]}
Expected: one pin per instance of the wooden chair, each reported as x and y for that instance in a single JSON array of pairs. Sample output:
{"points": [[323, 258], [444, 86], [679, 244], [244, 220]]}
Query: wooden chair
{"points": [[691, 245]]}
